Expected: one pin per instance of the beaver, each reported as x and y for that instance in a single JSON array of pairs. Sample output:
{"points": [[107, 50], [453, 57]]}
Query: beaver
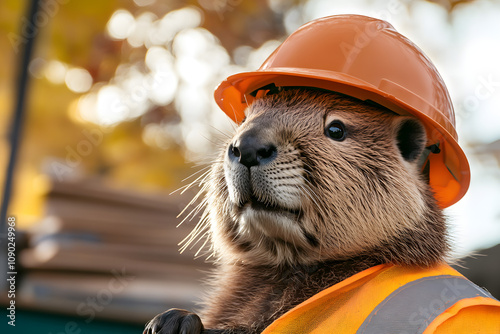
{"points": [[324, 208], [313, 187]]}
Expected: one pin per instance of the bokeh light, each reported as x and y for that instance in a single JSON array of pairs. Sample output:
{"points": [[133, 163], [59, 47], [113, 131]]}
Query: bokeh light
{"points": [[121, 24], [78, 80], [55, 71]]}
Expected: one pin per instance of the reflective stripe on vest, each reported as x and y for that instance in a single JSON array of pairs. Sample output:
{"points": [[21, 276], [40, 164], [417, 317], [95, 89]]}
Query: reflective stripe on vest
{"points": [[412, 307]]}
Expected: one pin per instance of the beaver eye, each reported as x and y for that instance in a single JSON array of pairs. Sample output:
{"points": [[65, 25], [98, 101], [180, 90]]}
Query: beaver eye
{"points": [[336, 131]]}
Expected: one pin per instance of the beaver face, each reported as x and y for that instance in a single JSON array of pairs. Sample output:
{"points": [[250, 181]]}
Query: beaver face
{"points": [[314, 176]]}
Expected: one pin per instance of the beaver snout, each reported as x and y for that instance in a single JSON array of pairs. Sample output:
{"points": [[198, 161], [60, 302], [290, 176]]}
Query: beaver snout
{"points": [[250, 150], [261, 171]]}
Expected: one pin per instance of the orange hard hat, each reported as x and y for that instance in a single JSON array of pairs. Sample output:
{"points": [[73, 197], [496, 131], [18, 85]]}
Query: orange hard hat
{"points": [[368, 59]]}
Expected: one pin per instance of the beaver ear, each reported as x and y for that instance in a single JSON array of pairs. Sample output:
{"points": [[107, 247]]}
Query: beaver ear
{"points": [[410, 137]]}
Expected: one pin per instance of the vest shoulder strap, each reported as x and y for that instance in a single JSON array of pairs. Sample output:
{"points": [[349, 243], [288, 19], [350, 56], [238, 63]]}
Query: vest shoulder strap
{"points": [[413, 306]]}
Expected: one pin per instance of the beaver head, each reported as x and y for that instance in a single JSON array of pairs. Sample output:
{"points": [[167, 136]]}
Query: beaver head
{"points": [[313, 176]]}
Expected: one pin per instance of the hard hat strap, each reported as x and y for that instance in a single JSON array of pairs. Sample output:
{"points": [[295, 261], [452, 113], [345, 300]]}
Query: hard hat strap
{"points": [[423, 161], [267, 90]]}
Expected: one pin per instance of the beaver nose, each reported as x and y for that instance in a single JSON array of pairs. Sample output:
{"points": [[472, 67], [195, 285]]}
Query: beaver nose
{"points": [[250, 150]]}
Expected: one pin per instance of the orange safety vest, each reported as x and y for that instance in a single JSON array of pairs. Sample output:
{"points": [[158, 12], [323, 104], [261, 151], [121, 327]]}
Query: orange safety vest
{"points": [[394, 299]]}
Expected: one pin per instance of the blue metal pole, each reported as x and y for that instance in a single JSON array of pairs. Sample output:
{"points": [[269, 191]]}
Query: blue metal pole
{"points": [[27, 38]]}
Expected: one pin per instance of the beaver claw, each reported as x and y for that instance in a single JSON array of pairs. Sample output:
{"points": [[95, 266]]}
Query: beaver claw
{"points": [[174, 321]]}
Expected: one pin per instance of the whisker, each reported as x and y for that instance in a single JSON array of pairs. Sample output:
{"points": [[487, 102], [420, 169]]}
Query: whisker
{"points": [[312, 195], [200, 179], [195, 198], [193, 212], [234, 114], [200, 230], [196, 173], [225, 135], [201, 248]]}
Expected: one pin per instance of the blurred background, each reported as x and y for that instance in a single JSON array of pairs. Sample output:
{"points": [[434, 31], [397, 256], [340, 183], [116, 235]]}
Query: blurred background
{"points": [[119, 111]]}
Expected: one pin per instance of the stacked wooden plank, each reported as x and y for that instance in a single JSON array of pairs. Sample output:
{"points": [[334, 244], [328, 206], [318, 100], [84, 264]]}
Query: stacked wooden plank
{"points": [[102, 252]]}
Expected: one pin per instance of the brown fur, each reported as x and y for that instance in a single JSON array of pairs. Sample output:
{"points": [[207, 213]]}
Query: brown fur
{"points": [[339, 206]]}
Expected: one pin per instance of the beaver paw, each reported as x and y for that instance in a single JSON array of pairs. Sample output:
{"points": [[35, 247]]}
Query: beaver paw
{"points": [[174, 321]]}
